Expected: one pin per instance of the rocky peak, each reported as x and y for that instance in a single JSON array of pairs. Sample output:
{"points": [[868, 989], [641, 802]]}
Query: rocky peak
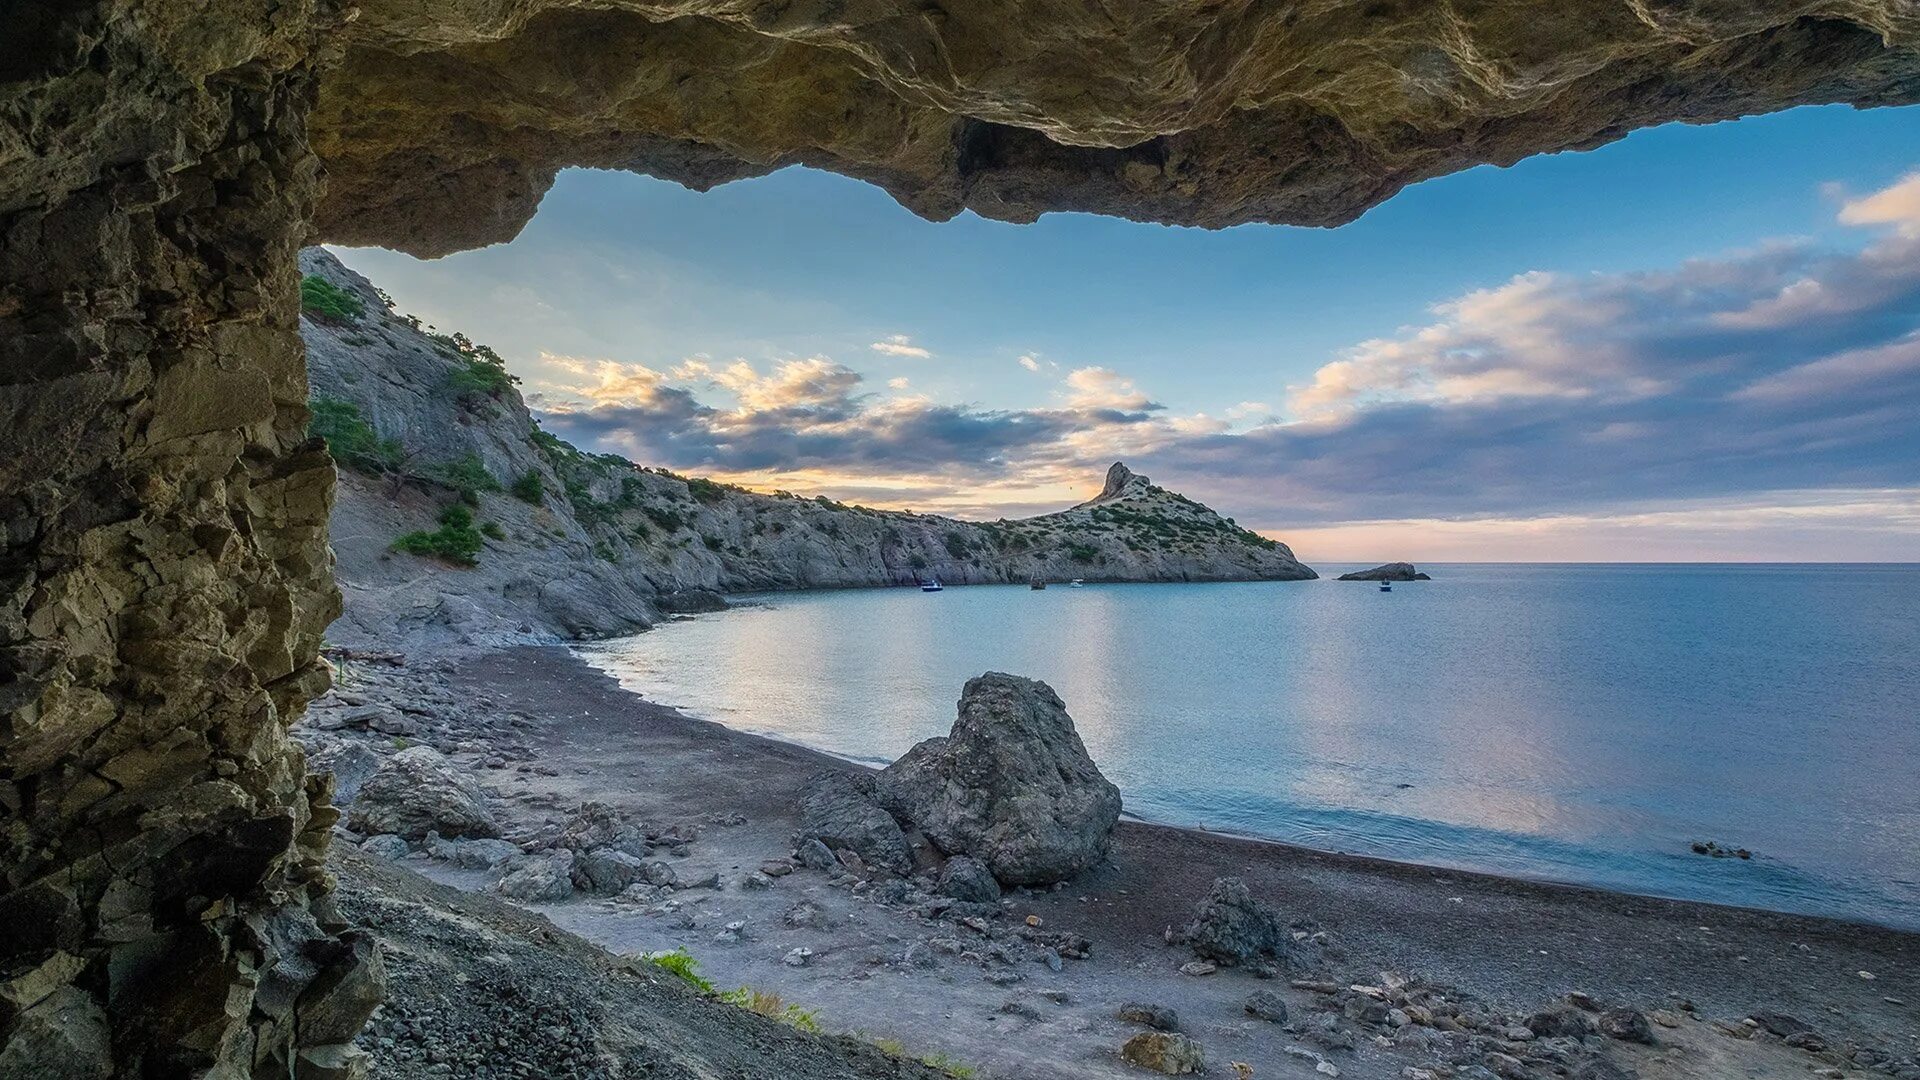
{"points": [[1122, 483]]}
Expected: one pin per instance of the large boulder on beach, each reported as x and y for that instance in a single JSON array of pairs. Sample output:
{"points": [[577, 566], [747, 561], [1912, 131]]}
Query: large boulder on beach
{"points": [[1012, 785], [1230, 926], [842, 811], [419, 791], [1393, 571]]}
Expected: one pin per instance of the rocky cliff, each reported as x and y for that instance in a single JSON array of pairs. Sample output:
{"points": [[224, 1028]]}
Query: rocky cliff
{"points": [[569, 543], [447, 119]]}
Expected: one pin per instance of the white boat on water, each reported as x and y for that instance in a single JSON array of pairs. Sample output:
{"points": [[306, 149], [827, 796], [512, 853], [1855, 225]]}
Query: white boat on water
{"points": [[1076, 583], [930, 585]]}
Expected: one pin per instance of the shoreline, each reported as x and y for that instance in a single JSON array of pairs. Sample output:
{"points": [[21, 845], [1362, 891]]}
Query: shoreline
{"points": [[577, 649], [1513, 944]]}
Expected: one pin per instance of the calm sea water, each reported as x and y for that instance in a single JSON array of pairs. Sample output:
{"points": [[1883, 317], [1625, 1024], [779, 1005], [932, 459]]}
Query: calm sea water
{"points": [[1573, 723]]}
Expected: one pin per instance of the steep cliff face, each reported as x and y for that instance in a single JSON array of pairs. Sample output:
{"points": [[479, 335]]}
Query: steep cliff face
{"points": [[575, 544], [447, 119], [163, 563]]}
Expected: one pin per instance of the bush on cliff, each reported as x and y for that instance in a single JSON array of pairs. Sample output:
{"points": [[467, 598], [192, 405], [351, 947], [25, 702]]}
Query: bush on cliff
{"points": [[351, 439], [530, 488], [456, 540], [326, 301]]}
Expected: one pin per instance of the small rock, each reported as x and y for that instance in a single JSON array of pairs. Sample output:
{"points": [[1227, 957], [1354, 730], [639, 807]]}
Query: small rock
{"points": [[967, 878], [1627, 1025], [1266, 1005], [1199, 967], [385, 846], [1168, 1053], [1158, 1017], [815, 855], [797, 957]]}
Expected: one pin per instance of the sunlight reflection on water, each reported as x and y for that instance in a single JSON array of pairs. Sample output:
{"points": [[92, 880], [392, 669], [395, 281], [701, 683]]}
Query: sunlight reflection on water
{"points": [[1578, 723]]}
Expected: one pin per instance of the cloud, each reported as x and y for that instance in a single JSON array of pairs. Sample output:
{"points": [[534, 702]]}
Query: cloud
{"points": [[1897, 205], [900, 383], [1716, 382], [901, 345], [1565, 394], [1035, 363], [1104, 388]]}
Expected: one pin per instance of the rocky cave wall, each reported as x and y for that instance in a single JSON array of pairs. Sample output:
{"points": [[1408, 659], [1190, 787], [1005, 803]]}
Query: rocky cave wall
{"points": [[165, 577], [163, 558], [448, 119]]}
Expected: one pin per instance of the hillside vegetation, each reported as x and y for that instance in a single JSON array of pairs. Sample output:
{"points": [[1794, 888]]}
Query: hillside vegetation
{"points": [[458, 516]]}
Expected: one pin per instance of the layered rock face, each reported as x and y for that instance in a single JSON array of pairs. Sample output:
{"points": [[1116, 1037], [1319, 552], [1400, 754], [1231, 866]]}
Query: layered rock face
{"points": [[447, 120], [164, 577]]}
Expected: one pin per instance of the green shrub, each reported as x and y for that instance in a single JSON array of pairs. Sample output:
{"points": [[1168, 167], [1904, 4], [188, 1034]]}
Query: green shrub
{"points": [[493, 530], [477, 379], [530, 488], [351, 439], [668, 520], [713, 543], [706, 491], [680, 963], [917, 561], [468, 476], [326, 301], [1082, 552], [957, 545], [456, 540]]}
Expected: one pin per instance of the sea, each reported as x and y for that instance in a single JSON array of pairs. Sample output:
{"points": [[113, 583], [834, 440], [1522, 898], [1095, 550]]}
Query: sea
{"points": [[1587, 724]]}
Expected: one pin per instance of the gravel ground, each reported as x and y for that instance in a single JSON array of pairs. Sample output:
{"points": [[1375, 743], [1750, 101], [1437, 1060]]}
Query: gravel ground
{"points": [[545, 732]]}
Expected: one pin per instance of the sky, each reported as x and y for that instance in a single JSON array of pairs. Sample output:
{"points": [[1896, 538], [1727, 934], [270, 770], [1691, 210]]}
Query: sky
{"points": [[1694, 344]]}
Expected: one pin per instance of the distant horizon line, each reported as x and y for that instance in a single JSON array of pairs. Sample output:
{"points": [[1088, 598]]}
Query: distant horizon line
{"points": [[1616, 562]]}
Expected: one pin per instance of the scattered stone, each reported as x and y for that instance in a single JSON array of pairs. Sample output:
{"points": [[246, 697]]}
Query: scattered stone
{"points": [[1230, 925], [1168, 1053], [544, 877], [1199, 967], [1561, 1023], [1627, 1025], [607, 871], [967, 878], [1012, 785], [1158, 1017], [1779, 1023], [842, 811], [806, 915], [482, 854], [756, 881], [815, 855], [350, 761], [419, 791], [774, 868], [1266, 1005], [386, 846]]}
